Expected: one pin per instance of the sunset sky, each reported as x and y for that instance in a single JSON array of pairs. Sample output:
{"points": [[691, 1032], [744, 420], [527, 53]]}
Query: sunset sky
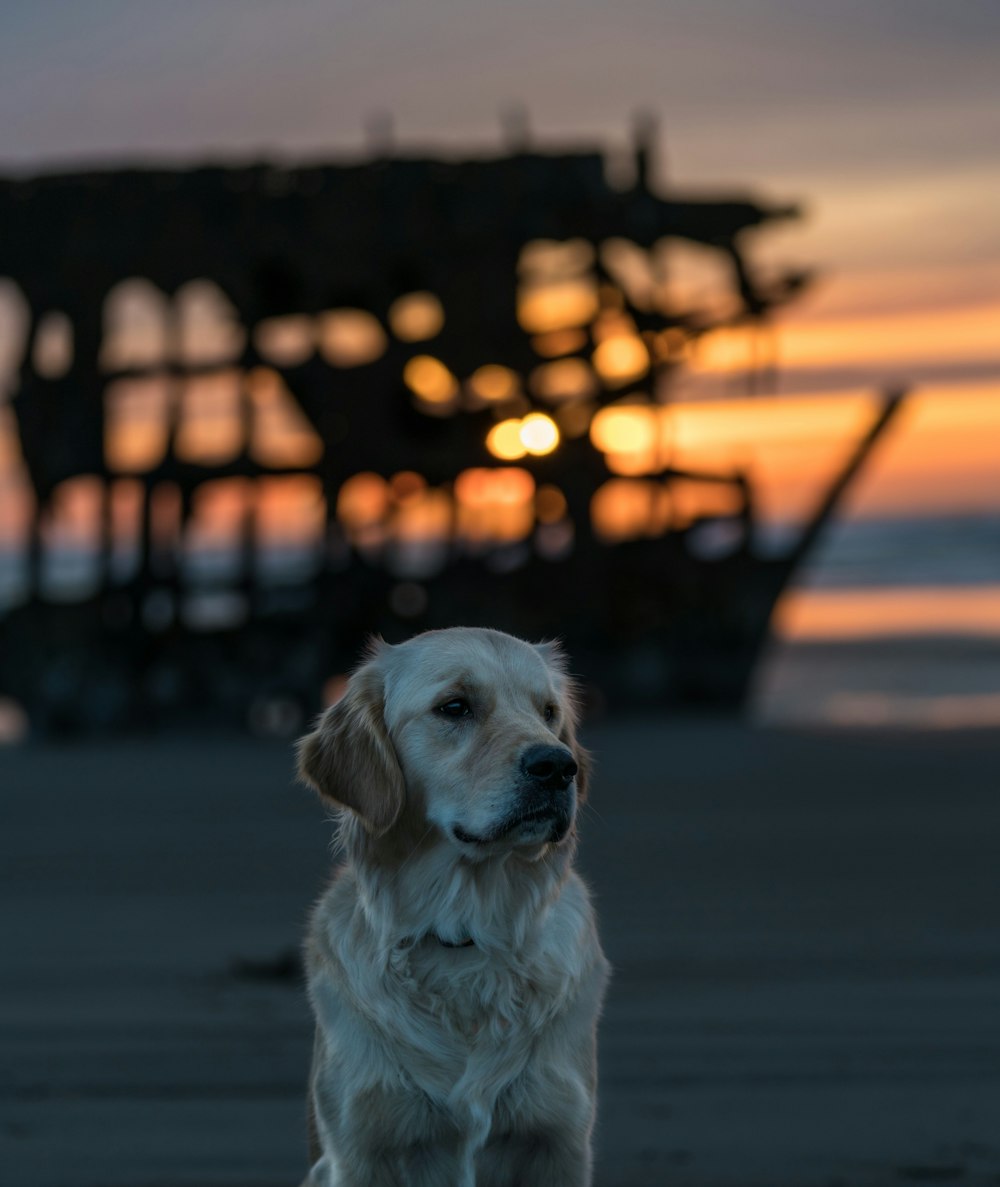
{"points": [[882, 118]]}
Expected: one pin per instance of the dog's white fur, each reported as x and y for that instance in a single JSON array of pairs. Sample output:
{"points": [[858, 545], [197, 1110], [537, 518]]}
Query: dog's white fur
{"points": [[439, 1066]]}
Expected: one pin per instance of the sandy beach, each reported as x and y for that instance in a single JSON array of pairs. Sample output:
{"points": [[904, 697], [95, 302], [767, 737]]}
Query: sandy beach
{"points": [[804, 926]]}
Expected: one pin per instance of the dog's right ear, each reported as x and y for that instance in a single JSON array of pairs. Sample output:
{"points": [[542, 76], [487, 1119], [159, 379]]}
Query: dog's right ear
{"points": [[349, 757]]}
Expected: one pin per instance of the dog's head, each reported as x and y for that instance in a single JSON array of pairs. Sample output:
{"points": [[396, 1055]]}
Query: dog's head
{"points": [[474, 730]]}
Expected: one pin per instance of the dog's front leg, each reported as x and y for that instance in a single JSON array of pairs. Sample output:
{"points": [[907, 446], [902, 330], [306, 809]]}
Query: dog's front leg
{"points": [[437, 1166], [369, 1151], [418, 1166], [536, 1160], [380, 1170], [542, 1129]]}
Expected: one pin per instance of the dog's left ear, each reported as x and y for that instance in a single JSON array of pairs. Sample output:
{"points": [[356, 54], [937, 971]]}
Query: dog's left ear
{"points": [[349, 757], [569, 695]]}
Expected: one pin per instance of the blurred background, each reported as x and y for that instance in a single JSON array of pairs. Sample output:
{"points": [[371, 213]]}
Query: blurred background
{"points": [[272, 331], [670, 329]]}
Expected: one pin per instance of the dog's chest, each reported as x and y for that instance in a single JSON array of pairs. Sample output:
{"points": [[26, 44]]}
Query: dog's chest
{"points": [[471, 993], [480, 1015], [479, 1019]]}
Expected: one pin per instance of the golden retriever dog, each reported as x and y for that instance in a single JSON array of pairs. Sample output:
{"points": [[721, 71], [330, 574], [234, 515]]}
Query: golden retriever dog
{"points": [[453, 964]]}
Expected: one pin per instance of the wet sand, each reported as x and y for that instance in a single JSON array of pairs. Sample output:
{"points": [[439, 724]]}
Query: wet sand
{"points": [[804, 925]]}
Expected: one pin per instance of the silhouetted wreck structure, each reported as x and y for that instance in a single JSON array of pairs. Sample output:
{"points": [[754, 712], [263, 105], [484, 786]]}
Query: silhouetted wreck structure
{"points": [[264, 411]]}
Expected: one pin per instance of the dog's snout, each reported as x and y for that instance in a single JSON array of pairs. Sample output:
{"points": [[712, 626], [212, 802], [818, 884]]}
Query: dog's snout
{"points": [[551, 767]]}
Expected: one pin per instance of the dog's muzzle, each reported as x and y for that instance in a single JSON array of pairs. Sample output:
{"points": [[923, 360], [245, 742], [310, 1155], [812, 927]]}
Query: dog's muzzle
{"points": [[549, 768], [545, 796]]}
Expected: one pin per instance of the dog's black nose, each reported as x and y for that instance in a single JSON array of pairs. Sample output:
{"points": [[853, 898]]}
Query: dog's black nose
{"points": [[550, 767]]}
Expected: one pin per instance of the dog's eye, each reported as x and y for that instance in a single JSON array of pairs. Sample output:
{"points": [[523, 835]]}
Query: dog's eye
{"points": [[456, 707], [550, 712]]}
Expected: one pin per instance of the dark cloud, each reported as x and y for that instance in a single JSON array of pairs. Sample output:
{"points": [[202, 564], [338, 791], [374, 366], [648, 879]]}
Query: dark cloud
{"points": [[807, 82]]}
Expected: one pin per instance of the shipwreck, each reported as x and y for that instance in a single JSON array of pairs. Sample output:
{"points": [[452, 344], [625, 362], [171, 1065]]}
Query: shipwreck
{"points": [[255, 413]]}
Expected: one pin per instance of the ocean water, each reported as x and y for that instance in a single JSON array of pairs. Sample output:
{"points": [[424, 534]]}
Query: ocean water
{"points": [[924, 652], [937, 667], [952, 551], [939, 551]]}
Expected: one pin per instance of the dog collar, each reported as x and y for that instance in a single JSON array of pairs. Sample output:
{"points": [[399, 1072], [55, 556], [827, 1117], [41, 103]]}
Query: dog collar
{"points": [[408, 942]]}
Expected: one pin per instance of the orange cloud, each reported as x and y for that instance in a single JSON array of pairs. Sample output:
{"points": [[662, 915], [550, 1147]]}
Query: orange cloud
{"points": [[846, 614], [953, 337], [941, 456]]}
